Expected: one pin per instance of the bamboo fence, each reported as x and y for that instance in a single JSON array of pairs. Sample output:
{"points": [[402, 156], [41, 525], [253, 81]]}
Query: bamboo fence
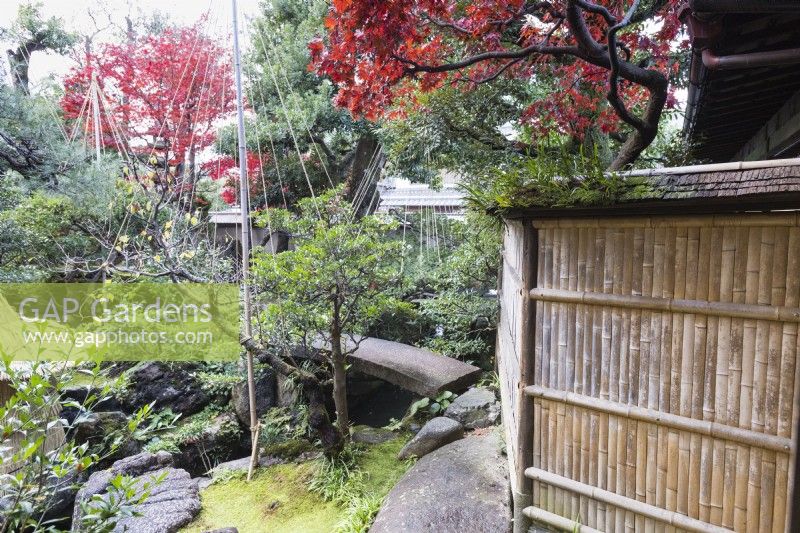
{"points": [[651, 366], [54, 436]]}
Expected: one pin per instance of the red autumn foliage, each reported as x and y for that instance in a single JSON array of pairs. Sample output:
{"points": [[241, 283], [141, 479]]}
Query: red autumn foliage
{"points": [[164, 92], [378, 53], [226, 168]]}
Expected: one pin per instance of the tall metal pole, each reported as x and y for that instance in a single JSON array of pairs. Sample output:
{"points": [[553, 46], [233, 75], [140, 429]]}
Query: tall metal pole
{"points": [[244, 202]]}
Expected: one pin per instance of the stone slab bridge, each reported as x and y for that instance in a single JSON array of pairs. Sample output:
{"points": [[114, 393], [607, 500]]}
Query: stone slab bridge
{"points": [[417, 370]]}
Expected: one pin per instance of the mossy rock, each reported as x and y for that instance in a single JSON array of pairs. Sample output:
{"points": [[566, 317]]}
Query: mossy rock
{"points": [[289, 449]]}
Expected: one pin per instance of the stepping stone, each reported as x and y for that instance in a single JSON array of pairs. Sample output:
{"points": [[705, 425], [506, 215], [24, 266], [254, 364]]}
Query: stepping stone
{"points": [[370, 435], [433, 435]]}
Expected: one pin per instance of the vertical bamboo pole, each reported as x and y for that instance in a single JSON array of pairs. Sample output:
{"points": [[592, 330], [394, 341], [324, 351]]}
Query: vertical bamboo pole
{"points": [[712, 457], [646, 454], [772, 498], [793, 513], [615, 320], [526, 423], [556, 368], [544, 379], [756, 489], [742, 458], [722, 290], [538, 354], [244, 202], [665, 357], [654, 372], [787, 407], [724, 453], [745, 479], [687, 485], [624, 376], [587, 506], [561, 273], [573, 418], [605, 285], [634, 371], [675, 467], [700, 461]]}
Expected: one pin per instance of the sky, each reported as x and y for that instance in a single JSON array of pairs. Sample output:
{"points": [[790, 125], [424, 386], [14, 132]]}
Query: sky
{"points": [[76, 15]]}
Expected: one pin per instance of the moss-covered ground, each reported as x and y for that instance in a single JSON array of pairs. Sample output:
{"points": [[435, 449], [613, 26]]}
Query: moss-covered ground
{"points": [[277, 500]]}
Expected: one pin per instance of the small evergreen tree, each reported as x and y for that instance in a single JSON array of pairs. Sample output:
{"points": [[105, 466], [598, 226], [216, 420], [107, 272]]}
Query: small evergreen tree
{"points": [[322, 294]]}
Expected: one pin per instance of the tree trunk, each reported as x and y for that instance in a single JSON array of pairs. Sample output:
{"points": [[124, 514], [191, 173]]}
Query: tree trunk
{"points": [[318, 420], [339, 375], [363, 174], [19, 61]]}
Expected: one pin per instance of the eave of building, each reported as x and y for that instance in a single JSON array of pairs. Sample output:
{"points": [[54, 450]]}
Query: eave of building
{"points": [[733, 114]]}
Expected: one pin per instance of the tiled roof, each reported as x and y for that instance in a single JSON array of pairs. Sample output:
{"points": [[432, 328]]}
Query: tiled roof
{"points": [[726, 187], [724, 183], [421, 196]]}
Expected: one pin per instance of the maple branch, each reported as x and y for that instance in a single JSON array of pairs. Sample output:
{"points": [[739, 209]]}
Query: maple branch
{"points": [[645, 127], [486, 56], [598, 10], [496, 74], [448, 25], [613, 78], [493, 144]]}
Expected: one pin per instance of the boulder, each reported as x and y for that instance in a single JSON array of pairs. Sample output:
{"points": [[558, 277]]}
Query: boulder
{"points": [[266, 396], [203, 482], [80, 394], [371, 435], [172, 503], [95, 428], [462, 486], [172, 385], [224, 530], [241, 465], [476, 408], [286, 392], [433, 435]]}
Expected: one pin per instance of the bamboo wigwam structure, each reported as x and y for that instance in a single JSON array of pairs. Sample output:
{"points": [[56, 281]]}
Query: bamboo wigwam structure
{"points": [[648, 355]]}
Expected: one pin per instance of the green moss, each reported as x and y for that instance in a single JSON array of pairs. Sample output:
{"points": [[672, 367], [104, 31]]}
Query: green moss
{"points": [[278, 499], [381, 467]]}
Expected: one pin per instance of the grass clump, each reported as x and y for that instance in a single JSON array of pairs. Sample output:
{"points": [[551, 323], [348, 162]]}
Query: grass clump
{"points": [[359, 515]]}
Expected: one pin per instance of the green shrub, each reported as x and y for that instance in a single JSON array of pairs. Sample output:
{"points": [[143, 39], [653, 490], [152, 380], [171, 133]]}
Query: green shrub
{"points": [[45, 462]]}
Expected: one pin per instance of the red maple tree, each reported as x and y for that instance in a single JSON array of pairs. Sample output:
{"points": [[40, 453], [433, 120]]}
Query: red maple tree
{"points": [[609, 59], [226, 168], [162, 96]]}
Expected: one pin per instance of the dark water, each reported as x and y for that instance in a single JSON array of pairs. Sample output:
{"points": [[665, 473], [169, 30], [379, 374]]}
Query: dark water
{"points": [[377, 407]]}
